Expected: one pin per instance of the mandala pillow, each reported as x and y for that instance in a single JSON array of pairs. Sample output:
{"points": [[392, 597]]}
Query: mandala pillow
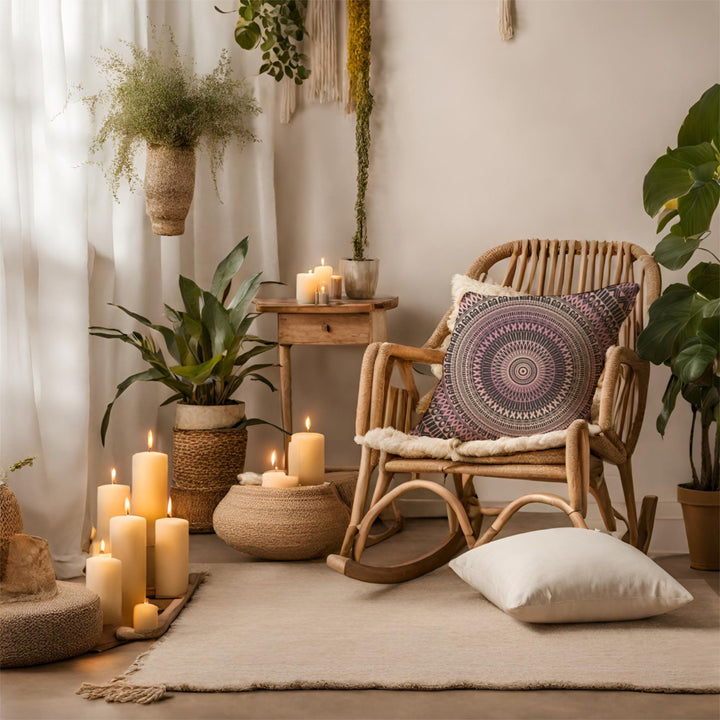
{"points": [[524, 365]]}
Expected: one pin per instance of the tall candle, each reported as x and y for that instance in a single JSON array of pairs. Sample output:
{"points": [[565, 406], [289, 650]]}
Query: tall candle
{"points": [[323, 273], [305, 287], [128, 536], [145, 617], [172, 555], [110, 502], [103, 575], [149, 486], [306, 456], [278, 478]]}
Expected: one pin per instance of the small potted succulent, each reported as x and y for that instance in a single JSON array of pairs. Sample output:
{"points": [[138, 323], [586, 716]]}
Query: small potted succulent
{"points": [[155, 100], [683, 332], [211, 353]]}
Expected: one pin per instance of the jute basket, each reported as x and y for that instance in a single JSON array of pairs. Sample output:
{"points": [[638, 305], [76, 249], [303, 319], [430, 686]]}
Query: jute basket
{"points": [[197, 506], [286, 523], [208, 459], [10, 523]]}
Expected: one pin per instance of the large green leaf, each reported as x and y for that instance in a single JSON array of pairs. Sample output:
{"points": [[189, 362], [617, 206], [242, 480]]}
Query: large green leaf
{"points": [[673, 251], [696, 208], [216, 320], [705, 279], [228, 268], [166, 332], [191, 294], [668, 403], [669, 318], [702, 123], [240, 304], [197, 374], [693, 360]]}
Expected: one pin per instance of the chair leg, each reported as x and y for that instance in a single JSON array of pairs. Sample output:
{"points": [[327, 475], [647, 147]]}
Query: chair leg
{"points": [[646, 523], [598, 488], [358, 507], [626, 479]]}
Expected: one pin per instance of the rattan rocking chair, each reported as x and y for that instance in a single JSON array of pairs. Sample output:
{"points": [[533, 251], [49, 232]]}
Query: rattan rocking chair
{"points": [[536, 267]]}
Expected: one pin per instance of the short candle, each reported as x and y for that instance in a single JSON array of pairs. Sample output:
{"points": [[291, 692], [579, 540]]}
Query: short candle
{"points": [[336, 287], [103, 575], [278, 478], [305, 287], [145, 617], [306, 456]]}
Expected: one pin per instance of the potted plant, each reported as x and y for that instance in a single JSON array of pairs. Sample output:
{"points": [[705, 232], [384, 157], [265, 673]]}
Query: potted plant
{"points": [[360, 272], [683, 331], [214, 352], [11, 522], [156, 100]]}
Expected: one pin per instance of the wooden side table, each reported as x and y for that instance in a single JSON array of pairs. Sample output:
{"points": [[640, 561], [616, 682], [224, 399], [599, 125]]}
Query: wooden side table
{"points": [[342, 322]]}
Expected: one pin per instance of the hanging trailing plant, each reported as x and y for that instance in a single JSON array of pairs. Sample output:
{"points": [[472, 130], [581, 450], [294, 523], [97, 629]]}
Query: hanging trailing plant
{"points": [[358, 67], [278, 27]]}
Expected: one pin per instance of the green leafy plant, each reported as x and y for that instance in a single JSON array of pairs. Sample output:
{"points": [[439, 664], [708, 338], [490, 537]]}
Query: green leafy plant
{"points": [[208, 339], [156, 97], [278, 27], [683, 331], [358, 64]]}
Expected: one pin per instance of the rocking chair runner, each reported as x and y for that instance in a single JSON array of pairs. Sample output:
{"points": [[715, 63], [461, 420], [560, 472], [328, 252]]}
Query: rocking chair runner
{"points": [[534, 267]]}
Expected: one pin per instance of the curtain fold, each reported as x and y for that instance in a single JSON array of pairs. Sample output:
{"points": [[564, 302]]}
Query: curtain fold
{"points": [[67, 250]]}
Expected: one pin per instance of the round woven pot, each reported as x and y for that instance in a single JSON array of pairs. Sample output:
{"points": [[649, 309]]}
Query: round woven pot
{"points": [[298, 523], [169, 187], [208, 459], [197, 506], [10, 523]]}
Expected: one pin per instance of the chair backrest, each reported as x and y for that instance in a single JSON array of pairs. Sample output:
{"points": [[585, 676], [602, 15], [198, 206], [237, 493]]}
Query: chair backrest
{"points": [[563, 267]]}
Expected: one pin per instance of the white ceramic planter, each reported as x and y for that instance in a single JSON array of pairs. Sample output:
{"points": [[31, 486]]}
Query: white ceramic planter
{"points": [[360, 277], [208, 417]]}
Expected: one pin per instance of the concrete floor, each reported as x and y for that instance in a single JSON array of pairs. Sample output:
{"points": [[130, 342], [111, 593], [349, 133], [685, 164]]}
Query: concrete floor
{"points": [[47, 691]]}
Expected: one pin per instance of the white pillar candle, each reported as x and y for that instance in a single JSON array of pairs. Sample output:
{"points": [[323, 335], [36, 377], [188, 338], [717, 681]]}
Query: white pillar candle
{"points": [[149, 486], [145, 617], [323, 273], [278, 478], [128, 536], [305, 287], [306, 456], [172, 555], [103, 575], [110, 502]]}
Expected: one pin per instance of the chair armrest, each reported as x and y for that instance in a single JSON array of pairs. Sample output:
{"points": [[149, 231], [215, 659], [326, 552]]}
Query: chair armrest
{"points": [[623, 396]]}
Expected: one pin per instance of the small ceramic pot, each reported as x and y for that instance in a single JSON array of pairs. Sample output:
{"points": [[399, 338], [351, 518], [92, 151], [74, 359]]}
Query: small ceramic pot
{"points": [[360, 277]]}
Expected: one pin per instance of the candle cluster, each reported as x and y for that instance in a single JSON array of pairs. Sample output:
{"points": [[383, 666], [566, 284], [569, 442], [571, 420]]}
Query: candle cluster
{"points": [[141, 553], [306, 461], [318, 286]]}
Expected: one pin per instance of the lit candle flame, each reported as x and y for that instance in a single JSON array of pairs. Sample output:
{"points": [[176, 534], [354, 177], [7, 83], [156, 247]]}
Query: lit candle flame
{"points": [[307, 423], [322, 261], [93, 533], [323, 289], [273, 460], [102, 546], [169, 507], [150, 439], [127, 506], [146, 601], [113, 475]]}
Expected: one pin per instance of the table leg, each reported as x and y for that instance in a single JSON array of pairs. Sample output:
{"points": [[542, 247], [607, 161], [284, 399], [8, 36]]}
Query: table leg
{"points": [[285, 392]]}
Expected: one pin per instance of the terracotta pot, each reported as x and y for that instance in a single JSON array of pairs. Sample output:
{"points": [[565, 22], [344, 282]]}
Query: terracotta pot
{"points": [[360, 277], [169, 187], [701, 514]]}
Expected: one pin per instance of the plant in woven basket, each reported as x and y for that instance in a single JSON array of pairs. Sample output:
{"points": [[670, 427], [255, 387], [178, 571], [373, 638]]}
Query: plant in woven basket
{"points": [[10, 516], [209, 339], [156, 98]]}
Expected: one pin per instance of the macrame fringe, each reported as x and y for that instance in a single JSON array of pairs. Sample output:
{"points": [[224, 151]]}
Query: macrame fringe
{"points": [[288, 99], [506, 23], [122, 692], [322, 29]]}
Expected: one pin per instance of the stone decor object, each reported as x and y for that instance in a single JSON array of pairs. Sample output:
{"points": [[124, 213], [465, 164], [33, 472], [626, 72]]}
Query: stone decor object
{"points": [[29, 573]]}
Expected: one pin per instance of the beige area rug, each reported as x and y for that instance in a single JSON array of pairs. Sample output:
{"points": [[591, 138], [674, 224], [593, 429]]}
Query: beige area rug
{"points": [[300, 625]]}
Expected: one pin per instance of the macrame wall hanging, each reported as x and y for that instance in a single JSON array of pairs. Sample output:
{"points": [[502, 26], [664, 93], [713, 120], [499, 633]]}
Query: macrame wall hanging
{"points": [[506, 20], [322, 29]]}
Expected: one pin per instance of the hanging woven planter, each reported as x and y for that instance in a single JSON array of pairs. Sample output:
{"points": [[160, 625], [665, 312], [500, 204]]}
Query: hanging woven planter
{"points": [[169, 187], [11, 522]]}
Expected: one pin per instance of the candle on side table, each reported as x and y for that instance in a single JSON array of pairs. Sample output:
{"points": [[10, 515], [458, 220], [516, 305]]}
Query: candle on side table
{"points": [[149, 486], [103, 575], [278, 478], [145, 617], [110, 502], [336, 287], [172, 552], [128, 537], [306, 456], [305, 287], [323, 273]]}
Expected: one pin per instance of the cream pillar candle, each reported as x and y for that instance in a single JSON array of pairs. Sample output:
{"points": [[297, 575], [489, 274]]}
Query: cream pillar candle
{"points": [[278, 478], [128, 536], [110, 502], [149, 486], [306, 456], [145, 617], [103, 575], [323, 273], [305, 287], [172, 555]]}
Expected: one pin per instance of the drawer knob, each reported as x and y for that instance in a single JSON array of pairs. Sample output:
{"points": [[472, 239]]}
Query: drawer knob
{"points": [[327, 328]]}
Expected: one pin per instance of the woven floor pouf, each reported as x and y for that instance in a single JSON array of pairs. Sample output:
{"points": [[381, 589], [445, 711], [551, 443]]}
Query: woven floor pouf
{"points": [[35, 632]]}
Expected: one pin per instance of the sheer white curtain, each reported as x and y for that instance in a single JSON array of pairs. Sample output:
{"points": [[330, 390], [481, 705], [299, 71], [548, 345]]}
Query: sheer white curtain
{"points": [[67, 250]]}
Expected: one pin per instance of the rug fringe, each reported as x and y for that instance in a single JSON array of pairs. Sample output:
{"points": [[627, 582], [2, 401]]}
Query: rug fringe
{"points": [[122, 692]]}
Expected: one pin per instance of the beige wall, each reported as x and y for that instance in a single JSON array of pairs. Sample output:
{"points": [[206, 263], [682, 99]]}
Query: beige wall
{"points": [[476, 142]]}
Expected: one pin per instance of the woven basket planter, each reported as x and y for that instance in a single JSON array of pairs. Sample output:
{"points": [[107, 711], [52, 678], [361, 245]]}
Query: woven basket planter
{"points": [[208, 459], [298, 523], [10, 522], [197, 506]]}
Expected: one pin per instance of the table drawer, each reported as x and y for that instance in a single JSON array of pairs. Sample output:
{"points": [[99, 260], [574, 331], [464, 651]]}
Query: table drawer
{"points": [[320, 329]]}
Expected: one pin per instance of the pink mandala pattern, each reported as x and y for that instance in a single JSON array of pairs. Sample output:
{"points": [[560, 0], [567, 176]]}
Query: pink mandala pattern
{"points": [[524, 365]]}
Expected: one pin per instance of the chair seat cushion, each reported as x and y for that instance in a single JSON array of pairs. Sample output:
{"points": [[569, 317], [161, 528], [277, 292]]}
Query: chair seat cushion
{"points": [[565, 575], [522, 366]]}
